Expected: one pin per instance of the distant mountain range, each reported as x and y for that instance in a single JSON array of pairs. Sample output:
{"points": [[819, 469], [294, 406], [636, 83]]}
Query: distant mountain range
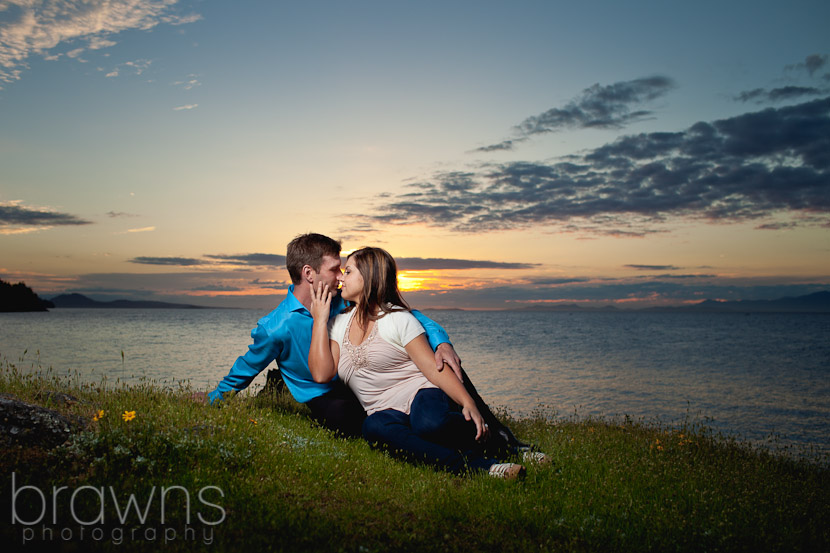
{"points": [[79, 300], [818, 302]]}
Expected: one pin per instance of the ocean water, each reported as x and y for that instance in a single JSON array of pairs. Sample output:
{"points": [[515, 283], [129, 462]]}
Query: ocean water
{"points": [[760, 377]]}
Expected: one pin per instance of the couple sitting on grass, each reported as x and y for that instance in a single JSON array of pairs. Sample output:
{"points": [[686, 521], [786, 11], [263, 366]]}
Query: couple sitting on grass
{"points": [[368, 368]]}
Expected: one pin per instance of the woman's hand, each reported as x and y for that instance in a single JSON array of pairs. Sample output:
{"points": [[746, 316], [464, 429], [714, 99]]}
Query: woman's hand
{"points": [[321, 361], [320, 302], [471, 413]]}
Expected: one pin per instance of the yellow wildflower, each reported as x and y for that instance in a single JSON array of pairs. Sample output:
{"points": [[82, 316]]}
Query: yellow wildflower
{"points": [[128, 415], [252, 421], [99, 415]]}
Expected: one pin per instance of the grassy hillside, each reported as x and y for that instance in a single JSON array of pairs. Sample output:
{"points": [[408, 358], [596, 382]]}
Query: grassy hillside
{"points": [[259, 476]]}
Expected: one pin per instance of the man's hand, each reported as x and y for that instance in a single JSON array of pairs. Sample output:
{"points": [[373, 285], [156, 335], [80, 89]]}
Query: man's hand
{"points": [[445, 354]]}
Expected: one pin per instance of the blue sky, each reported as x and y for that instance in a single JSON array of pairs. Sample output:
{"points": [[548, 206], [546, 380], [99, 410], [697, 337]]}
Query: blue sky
{"points": [[511, 154]]}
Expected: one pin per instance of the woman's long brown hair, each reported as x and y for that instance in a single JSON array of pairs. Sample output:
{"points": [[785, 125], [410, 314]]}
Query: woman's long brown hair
{"points": [[380, 284]]}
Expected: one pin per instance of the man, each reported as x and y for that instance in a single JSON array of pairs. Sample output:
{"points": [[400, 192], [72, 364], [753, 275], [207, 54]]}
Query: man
{"points": [[284, 336]]}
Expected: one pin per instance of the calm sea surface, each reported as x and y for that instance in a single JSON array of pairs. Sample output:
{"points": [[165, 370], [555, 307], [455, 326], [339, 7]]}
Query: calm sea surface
{"points": [[751, 376]]}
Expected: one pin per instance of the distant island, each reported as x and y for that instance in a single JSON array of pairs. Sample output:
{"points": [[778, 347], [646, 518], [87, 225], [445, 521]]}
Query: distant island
{"points": [[80, 301], [18, 298], [818, 302]]}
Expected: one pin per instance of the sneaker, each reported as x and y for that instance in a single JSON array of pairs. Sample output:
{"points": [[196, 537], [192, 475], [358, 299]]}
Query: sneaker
{"points": [[507, 471], [535, 458]]}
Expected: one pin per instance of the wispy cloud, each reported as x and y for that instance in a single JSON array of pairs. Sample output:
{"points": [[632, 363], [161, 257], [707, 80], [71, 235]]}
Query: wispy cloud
{"points": [[142, 229], [135, 67], [811, 64], [778, 94], [216, 288], [653, 267], [189, 83], [35, 27], [272, 284], [261, 260], [746, 167], [17, 219], [251, 259], [186, 107], [600, 106], [170, 261], [436, 264]]}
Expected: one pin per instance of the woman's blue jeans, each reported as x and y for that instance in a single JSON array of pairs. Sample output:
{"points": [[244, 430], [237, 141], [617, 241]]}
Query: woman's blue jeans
{"points": [[434, 432]]}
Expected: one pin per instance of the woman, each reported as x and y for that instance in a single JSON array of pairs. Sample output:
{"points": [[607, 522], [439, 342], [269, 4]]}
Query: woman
{"points": [[379, 350]]}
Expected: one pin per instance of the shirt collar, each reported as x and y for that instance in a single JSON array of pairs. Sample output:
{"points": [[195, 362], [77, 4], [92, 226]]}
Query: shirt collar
{"points": [[293, 303]]}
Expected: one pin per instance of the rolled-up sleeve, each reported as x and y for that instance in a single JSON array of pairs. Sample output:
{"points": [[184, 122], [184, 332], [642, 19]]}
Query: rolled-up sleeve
{"points": [[264, 349]]}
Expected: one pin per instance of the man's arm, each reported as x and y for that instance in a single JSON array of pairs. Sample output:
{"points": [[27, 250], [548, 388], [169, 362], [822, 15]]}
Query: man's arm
{"points": [[248, 366], [439, 341]]}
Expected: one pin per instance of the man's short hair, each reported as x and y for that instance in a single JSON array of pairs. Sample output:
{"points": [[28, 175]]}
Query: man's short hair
{"points": [[309, 249]]}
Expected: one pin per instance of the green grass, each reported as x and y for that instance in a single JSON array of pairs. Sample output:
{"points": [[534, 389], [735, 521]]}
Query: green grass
{"points": [[288, 485]]}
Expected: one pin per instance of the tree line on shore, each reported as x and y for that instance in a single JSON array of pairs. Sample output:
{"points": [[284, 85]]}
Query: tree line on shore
{"points": [[19, 297]]}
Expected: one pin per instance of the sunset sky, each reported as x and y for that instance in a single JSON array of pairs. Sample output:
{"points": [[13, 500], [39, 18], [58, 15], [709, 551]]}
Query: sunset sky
{"points": [[506, 153]]}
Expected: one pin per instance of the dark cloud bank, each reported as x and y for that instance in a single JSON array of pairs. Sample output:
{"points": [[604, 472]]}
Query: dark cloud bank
{"points": [[742, 168], [245, 260], [22, 216], [275, 261]]}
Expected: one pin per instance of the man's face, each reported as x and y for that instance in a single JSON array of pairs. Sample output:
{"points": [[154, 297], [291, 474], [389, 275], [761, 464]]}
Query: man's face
{"points": [[329, 271]]}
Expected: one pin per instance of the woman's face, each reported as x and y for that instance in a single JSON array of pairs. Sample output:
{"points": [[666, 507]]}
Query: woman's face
{"points": [[351, 282]]}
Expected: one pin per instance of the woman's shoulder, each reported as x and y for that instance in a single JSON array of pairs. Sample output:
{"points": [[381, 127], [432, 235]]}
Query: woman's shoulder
{"points": [[392, 308], [337, 326], [400, 319], [396, 313]]}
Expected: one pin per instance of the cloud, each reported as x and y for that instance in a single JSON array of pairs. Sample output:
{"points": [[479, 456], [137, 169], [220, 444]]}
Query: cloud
{"points": [[604, 107], [170, 261], [142, 229], [624, 293], [778, 94], [274, 261], [653, 267], [742, 168], [437, 264], [34, 27], [548, 281], [504, 146], [777, 226], [216, 288], [186, 107], [188, 84], [252, 259], [17, 219], [811, 63], [115, 214], [272, 284]]}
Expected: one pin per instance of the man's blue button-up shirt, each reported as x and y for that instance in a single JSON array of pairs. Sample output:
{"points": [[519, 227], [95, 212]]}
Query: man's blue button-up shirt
{"points": [[284, 336]]}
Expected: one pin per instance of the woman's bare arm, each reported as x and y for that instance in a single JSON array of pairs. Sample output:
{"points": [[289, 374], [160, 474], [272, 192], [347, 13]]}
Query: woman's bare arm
{"points": [[322, 362], [421, 354]]}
